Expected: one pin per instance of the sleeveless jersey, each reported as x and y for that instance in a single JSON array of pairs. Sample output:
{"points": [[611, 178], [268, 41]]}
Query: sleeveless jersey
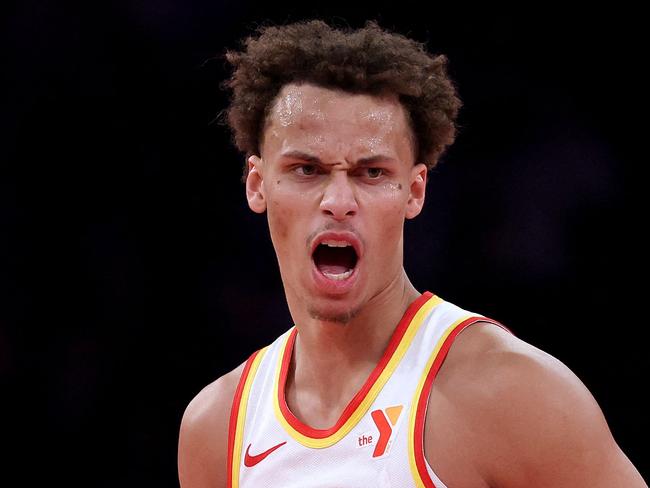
{"points": [[379, 439]]}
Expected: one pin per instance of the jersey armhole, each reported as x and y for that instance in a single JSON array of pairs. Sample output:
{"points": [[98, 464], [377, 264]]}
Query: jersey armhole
{"points": [[235, 426], [420, 467]]}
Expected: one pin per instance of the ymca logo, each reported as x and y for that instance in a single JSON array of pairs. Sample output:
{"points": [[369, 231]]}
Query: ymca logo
{"points": [[385, 421]]}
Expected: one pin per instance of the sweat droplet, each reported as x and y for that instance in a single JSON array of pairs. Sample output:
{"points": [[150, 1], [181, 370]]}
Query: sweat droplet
{"points": [[289, 106], [389, 185]]}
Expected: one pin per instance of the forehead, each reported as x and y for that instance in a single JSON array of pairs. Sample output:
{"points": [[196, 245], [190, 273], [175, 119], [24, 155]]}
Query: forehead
{"points": [[319, 118]]}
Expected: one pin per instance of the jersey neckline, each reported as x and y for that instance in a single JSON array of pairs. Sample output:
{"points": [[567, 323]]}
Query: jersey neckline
{"points": [[399, 342]]}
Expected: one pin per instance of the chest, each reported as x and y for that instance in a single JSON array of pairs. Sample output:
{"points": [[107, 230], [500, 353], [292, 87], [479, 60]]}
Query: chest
{"points": [[397, 430], [368, 448]]}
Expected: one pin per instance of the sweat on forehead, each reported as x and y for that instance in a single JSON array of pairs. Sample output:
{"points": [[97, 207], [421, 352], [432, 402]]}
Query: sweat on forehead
{"points": [[312, 107]]}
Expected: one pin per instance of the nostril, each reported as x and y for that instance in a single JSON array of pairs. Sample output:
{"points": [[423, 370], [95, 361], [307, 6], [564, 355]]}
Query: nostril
{"points": [[339, 207], [339, 214]]}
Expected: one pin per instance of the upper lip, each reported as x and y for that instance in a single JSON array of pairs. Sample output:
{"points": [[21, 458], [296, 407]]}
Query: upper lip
{"points": [[345, 236]]}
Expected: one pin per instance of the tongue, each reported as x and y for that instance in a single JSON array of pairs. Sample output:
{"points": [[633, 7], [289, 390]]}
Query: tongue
{"points": [[332, 268]]}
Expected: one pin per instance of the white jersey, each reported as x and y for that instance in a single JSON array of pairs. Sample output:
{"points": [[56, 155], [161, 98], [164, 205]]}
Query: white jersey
{"points": [[379, 439]]}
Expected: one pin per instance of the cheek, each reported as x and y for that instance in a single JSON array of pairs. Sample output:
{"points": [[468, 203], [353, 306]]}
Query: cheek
{"points": [[393, 223], [279, 216], [386, 206], [283, 212], [388, 201]]}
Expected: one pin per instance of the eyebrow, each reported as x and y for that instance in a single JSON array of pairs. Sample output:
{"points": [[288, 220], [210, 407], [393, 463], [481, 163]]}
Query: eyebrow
{"points": [[296, 154]]}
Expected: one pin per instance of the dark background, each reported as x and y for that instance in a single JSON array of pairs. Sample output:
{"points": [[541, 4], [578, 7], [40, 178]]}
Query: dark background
{"points": [[132, 273]]}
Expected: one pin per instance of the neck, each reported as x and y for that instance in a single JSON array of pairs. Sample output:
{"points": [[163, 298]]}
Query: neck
{"points": [[331, 361]]}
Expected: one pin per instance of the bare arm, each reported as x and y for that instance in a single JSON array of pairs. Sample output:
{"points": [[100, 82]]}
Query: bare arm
{"points": [[203, 436], [552, 430]]}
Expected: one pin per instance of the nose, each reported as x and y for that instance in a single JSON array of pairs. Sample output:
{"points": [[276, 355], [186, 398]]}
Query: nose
{"points": [[339, 200]]}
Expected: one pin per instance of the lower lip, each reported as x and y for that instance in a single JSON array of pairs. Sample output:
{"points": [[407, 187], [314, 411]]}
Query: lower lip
{"points": [[334, 287]]}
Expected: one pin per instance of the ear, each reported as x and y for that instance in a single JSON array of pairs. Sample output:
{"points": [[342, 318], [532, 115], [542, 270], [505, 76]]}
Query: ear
{"points": [[254, 186], [417, 190]]}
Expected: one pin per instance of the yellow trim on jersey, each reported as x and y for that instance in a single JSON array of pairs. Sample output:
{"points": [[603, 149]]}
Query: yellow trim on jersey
{"points": [[241, 417], [357, 415], [418, 391]]}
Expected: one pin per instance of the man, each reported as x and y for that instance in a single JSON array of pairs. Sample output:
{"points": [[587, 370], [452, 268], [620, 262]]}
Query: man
{"points": [[377, 384]]}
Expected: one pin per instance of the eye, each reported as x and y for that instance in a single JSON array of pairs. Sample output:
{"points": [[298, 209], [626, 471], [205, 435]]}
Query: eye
{"points": [[306, 169], [374, 173]]}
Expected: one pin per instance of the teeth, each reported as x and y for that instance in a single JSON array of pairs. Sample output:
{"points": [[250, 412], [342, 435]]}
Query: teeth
{"points": [[339, 276], [335, 243]]}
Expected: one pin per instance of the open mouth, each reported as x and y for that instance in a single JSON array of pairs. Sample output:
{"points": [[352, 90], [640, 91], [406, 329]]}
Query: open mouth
{"points": [[336, 260]]}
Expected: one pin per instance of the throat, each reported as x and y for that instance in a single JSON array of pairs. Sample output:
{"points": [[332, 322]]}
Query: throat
{"points": [[312, 412], [319, 392], [320, 405]]}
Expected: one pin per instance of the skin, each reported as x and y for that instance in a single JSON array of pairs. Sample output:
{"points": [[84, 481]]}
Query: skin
{"points": [[518, 416]]}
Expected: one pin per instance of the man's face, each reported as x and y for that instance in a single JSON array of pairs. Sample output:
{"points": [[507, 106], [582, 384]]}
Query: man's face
{"points": [[337, 178]]}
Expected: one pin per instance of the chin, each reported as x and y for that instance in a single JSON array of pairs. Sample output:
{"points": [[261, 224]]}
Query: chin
{"points": [[335, 309], [336, 315]]}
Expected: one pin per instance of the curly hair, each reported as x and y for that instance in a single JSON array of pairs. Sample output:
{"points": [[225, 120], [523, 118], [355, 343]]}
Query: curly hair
{"points": [[367, 60]]}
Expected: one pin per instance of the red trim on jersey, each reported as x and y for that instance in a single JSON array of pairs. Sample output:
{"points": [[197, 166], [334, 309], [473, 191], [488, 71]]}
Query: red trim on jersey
{"points": [[234, 411], [396, 338], [423, 401]]}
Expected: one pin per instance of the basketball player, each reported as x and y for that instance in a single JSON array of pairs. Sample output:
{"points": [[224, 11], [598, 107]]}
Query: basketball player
{"points": [[377, 384]]}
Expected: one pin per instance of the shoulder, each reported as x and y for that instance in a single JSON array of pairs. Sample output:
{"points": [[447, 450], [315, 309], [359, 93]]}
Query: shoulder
{"points": [[203, 436], [537, 424]]}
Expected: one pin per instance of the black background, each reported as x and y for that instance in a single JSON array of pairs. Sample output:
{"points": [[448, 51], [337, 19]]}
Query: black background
{"points": [[132, 273]]}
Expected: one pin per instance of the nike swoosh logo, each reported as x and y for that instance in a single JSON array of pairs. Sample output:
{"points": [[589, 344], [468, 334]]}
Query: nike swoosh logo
{"points": [[251, 461]]}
